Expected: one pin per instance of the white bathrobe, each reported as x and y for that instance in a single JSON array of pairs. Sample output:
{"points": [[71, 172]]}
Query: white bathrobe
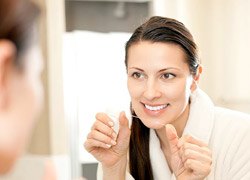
{"points": [[226, 132]]}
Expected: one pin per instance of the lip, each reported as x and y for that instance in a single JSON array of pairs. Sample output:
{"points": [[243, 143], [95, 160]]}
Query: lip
{"points": [[153, 112]]}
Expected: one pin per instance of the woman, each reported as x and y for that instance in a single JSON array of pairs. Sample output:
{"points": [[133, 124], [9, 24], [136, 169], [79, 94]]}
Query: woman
{"points": [[176, 131], [20, 84], [21, 90]]}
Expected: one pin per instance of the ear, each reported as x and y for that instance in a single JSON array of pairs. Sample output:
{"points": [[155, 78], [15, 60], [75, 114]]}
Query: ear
{"points": [[7, 54], [196, 78]]}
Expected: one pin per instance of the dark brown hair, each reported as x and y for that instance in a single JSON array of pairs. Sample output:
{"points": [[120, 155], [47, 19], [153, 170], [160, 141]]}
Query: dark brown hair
{"points": [[17, 18], [164, 30]]}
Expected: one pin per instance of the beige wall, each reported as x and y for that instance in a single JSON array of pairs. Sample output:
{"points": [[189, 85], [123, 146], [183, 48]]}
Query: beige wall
{"points": [[50, 135], [40, 141]]}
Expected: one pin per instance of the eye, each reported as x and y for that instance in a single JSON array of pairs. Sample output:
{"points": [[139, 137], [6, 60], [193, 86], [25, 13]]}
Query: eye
{"points": [[168, 76], [137, 75]]}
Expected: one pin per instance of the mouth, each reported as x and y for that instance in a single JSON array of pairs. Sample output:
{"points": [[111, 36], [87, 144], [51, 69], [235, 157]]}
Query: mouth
{"points": [[156, 108]]}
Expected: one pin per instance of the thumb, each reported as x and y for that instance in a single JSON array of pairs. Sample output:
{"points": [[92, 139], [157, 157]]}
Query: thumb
{"points": [[123, 121], [172, 138], [123, 135], [124, 131]]}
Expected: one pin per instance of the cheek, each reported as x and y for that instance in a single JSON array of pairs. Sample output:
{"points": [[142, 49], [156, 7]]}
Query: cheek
{"points": [[38, 94], [136, 93], [179, 91], [34, 66], [134, 90], [35, 91]]}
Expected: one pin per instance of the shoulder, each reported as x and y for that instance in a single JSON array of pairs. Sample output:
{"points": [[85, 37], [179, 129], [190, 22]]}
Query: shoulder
{"points": [[231, 117], [230, 142], [231, 126]]}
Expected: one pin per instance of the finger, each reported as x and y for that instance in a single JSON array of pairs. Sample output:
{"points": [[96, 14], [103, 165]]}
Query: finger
{"points": [[172, 138], [90, 144], [190, 154], [194, 147], [101, 137], [124, 131], [191, 139], [105, 119], [123, 120], [103, 128], [197, 167]]}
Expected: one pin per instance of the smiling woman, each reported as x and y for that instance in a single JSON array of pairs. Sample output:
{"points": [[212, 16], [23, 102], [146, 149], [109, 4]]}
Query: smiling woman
{"points": [[176, 131]]}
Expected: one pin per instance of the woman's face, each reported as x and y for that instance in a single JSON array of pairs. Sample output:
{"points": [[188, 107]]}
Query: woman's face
{"points": [[22, 103], [31, 82], [27, 95], [159, 83]]}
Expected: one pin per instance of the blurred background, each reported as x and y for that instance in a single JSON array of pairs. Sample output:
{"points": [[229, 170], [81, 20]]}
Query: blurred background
{"points": [[83, 47]]}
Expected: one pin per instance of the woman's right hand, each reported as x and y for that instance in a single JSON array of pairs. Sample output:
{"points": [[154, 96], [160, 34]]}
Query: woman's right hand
{"points": [[103, 142]]}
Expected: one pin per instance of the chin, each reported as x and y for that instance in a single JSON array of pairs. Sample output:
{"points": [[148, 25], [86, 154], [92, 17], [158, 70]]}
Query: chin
{"points": [[154, 124]]}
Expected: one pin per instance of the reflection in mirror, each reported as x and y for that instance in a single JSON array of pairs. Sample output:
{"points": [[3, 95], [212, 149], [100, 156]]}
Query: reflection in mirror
{"points": [[95, 74]]}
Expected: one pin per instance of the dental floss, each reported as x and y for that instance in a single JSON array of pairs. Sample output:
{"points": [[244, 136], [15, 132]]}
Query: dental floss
{"points": [[150, 120]]}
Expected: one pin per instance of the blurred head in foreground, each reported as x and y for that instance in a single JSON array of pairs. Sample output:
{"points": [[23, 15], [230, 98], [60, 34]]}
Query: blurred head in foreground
{"points": [[20, 85]]}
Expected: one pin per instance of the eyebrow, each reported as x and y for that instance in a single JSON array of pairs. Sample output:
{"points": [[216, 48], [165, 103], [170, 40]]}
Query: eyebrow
{"points": [[158, 71], [169, 68], [137, 68]]}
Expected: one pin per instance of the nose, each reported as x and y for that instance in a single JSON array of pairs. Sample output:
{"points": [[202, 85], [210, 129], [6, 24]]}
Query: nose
{"points": [[151, 90]]}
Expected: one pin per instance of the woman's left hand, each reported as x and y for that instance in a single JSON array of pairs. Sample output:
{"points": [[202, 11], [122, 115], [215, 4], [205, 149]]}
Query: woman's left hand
{"points": [[191, 159]]}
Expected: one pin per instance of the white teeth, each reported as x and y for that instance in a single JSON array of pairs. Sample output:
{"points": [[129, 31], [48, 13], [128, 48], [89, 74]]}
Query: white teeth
{"points": [[156, 108]]}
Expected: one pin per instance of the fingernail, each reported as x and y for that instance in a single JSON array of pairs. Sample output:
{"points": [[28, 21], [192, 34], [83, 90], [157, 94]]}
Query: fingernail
{"points": [[111, 123], [108, 145], [114, 135], [113, 142]]}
